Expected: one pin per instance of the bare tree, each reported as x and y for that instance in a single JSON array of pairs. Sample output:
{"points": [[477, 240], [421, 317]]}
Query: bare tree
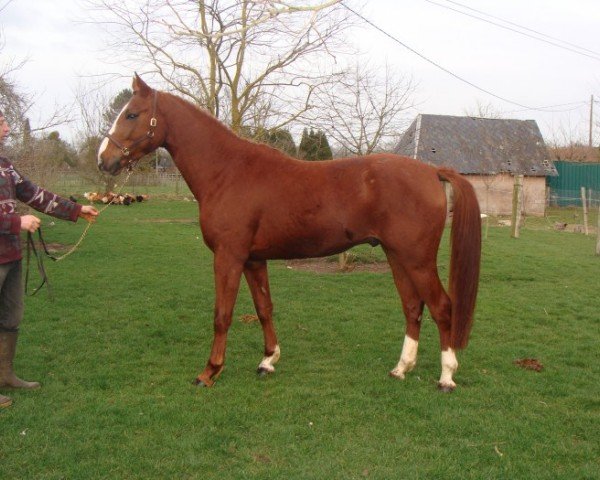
{"points": [[566, 143], [481, 110], [17, 104], [13, 103], [365, 109], [250, 63], [36, 155]]}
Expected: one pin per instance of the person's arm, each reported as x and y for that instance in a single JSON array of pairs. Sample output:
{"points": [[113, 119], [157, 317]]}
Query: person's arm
{"points": [[45, 201]]}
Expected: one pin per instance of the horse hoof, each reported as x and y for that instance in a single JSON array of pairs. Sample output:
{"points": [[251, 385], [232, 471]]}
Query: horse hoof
{"points": [[201, 383], [262, 372], [396, 375], [446, 388]]}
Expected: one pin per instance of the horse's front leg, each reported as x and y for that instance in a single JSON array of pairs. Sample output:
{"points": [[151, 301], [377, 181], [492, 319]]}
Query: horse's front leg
{"points": [[228, 271], [258, 282]]}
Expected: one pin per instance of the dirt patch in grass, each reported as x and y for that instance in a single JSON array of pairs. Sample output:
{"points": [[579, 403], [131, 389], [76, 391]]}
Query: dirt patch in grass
{"points": [[529, 364], [170, 220], [325, 265], [52, 247]]}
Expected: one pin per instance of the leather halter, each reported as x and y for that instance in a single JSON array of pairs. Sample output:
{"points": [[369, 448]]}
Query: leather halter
{"points": [[126, 151]]}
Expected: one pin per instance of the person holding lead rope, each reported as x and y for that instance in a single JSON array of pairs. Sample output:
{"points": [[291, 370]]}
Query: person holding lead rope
{"points": [[13, 187]]}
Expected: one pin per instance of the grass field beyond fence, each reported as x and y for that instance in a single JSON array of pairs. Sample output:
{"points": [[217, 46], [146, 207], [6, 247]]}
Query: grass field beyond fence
{"points": [[130, 327]]}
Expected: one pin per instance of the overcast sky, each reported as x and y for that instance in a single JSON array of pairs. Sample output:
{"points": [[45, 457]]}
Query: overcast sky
{"points": [[62, 53]]}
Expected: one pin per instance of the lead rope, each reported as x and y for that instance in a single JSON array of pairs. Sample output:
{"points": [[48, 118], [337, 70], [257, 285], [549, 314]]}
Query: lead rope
{"points": [[88, 226], [40, 265], [39, 258]]}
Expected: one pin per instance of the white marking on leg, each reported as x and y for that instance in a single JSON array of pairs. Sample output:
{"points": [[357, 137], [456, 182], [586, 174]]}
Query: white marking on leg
{"points": [[449, 367], [267, 362], [408, 357]]}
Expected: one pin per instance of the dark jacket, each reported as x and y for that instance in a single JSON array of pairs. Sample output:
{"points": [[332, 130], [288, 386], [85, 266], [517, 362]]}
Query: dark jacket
{"points": [[13, 187]]}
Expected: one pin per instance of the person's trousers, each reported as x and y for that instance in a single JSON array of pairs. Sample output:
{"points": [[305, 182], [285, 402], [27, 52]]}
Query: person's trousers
{"points": [[11, 296]]}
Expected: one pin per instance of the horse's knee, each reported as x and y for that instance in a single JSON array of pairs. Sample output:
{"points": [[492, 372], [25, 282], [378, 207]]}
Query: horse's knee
{"points": [[222, 323]]}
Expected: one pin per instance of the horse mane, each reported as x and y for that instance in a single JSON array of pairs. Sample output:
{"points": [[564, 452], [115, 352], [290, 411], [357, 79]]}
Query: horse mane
{"points": [[251, 146]]}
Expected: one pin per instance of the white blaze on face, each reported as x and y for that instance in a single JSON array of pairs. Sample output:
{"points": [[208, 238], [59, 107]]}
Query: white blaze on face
{"points": [[103, 146], [105, 141], [408, 358]]}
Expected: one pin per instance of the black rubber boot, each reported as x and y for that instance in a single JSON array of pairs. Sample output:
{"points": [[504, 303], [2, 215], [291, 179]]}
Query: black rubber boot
{"points": [[8, 346]]}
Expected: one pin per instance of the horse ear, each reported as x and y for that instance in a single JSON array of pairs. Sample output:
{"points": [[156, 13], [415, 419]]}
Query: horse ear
{"points": [[139, 86]]}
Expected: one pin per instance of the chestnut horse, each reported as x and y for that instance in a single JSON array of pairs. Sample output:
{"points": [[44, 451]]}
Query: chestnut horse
{"points": [[256, 204]]}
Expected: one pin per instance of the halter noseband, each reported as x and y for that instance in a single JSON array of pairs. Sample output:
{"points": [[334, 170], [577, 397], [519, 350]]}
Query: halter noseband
{"points": [[125, 151]]}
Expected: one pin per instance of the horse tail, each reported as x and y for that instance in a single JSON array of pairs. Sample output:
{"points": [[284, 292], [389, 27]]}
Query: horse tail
{"points": [[465, 241]]}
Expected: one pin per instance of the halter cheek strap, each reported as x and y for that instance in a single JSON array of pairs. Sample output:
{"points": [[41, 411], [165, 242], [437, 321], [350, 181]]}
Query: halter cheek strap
{"points": [[126, 151]]}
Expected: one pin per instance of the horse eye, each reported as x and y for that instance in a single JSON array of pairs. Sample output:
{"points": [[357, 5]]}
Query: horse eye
{"points": [[132, 116]]}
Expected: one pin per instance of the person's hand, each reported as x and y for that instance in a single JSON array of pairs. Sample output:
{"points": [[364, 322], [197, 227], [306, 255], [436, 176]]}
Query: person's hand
{"points": [[88, 213], [30, 223]]}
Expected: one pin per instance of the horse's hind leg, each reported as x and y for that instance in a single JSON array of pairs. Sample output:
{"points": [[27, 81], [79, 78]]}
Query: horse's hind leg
{"points": [[417, 281], [429, 286], [413, 311], [258, 281]]}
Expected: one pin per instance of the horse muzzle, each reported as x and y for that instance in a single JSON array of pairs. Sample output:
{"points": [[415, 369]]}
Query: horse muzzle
{"points": [[110, 160], [113, 166]]}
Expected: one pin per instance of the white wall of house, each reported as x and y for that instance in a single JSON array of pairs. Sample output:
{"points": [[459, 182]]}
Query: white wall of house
{"points": [[495, 193]]}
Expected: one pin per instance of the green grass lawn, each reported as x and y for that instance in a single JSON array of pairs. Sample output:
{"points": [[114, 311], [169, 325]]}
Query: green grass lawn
{"points": [[130, 327]]}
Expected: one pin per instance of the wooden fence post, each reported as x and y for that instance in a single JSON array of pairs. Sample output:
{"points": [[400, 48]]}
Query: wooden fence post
{"points": [[516, 206], [585, 211], [598, 240]]}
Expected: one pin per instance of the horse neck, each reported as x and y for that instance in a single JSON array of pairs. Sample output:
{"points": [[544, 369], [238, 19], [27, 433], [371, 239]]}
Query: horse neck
{"points": [[202, 148]]}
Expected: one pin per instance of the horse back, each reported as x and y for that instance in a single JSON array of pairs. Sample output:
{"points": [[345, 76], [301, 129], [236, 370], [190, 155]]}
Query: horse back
{"points": [[294, 209]]}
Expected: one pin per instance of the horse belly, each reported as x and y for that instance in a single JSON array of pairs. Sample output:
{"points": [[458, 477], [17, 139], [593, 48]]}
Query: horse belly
{"points": [[300, 247], [334, 214], [316, 240]]}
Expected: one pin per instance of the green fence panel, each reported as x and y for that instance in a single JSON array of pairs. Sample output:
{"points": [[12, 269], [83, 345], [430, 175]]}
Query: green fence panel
{"points": [[565, 189]]}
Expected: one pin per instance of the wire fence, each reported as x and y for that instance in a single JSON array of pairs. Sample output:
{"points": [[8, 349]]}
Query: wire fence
{"points": [[155, 183], [571, 198], [556, 208]]}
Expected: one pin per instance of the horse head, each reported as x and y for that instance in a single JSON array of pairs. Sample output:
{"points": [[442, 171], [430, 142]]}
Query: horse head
{"points": [[135, 132]]}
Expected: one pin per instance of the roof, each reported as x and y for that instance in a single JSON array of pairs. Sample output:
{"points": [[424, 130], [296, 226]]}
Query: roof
{"points": [[478, 145]]}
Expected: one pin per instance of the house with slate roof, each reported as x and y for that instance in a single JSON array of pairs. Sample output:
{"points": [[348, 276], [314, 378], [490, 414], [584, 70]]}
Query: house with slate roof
{"points": [[489, 152]]}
